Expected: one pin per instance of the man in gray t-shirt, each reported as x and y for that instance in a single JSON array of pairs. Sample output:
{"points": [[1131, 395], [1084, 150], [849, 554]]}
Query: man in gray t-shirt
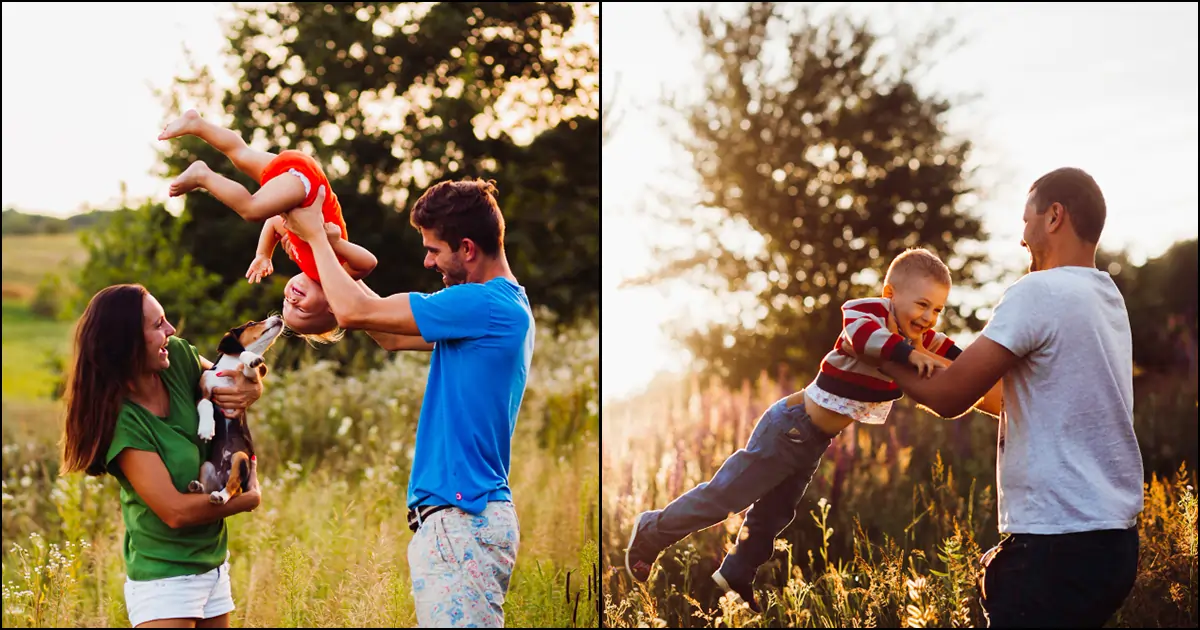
{"points": [[1068, 468]]}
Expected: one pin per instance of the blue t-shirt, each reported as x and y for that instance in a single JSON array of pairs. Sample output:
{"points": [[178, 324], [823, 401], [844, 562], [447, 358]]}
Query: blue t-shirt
{"points": [[483, 344]]}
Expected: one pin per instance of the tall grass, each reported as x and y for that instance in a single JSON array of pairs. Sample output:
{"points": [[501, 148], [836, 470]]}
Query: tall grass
{"points": [[893, 524], [328, 545]]}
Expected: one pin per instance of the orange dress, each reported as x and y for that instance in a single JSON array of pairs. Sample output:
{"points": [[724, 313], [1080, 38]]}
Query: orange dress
{"points": [[298, 250]]}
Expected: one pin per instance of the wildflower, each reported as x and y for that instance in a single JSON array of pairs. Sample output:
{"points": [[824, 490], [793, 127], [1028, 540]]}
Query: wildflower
{"points": [[346, 422]]}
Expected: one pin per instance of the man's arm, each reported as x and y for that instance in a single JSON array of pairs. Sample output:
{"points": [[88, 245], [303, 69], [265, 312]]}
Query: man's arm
{"points": [[951, 392], [353, 308], [356, 310], [391, 341], [991, 403]]}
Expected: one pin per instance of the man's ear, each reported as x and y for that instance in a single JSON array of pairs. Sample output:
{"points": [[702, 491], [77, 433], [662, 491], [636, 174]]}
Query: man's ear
{"points": [[469, 249], [888, 291], [1057, 215]]}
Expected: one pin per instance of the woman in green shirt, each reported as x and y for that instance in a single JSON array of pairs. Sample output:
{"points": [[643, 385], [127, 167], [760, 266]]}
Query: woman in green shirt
{"points": [[131, 412]]}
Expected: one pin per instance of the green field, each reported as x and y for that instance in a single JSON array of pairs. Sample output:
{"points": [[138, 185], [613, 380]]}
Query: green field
{"points": [[30, 341], [29, 344], [28, 258], [329, 546]]}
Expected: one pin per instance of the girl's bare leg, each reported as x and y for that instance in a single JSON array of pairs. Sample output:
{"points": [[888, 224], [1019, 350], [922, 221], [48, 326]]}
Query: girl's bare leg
{"points": [[275, 197], [249, 161]]}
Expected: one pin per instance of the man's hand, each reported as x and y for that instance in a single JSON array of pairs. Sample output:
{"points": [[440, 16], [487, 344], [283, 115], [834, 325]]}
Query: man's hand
{"points": [[244, 392], [307, 222]]}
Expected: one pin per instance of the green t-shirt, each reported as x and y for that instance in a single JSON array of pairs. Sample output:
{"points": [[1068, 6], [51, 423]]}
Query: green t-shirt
{"points": [[152, 549]]}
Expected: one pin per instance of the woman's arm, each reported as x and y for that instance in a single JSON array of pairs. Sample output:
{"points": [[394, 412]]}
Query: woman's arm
{"points": [[148, 475]]}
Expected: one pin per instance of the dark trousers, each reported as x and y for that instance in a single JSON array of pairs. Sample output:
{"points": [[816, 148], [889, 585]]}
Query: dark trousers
{"points": [[1057, 581]]}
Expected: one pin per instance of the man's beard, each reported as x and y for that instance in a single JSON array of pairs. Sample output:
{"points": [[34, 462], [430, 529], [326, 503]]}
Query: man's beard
{"points": [[1034, 263], [451, 278]]}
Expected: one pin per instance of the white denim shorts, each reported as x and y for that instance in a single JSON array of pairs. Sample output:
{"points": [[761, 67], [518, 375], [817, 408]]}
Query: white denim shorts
{"points": [[201, 596]]}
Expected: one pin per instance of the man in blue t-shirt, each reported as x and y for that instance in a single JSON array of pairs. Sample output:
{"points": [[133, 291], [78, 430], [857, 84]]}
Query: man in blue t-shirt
{"points": [[481, 330]]}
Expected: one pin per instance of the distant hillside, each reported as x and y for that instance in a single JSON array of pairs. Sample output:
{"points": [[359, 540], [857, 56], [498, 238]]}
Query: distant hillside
{"points": [[18, 223]]}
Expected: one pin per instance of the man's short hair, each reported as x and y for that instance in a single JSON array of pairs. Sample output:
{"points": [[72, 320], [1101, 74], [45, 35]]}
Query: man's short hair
{"points": [[1079, 194], [462, 209], [915, 263]]}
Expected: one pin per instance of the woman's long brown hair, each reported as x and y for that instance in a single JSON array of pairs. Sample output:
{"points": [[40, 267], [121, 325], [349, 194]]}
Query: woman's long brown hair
{"points": [[110, 349]]}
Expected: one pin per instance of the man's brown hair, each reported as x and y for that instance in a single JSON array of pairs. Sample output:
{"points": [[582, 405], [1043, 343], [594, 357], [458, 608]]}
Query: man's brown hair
{"points": [[1079, 194], [462, 209]]}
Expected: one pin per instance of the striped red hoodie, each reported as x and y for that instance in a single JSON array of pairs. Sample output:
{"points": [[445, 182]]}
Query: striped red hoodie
{"points": [[865, 333]]}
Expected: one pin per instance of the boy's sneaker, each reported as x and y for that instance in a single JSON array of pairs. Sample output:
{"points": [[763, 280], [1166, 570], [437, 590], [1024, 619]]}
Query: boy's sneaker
{"points": [[639, 558], [744, 590]]}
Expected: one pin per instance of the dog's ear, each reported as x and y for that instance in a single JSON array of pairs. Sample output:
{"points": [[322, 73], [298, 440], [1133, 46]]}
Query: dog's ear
{"points": [[231, 344]]}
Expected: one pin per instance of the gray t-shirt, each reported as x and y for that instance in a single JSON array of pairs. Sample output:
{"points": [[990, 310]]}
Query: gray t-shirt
{"points": [[1067, 457]]}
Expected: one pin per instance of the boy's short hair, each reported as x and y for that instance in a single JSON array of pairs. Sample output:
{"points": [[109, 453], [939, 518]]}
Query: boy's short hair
{"points": [[916, 262]]}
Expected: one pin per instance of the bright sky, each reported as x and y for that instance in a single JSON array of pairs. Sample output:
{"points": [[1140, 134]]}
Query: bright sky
{"points": [[77, 92], [1109, 88], [78, 82]]}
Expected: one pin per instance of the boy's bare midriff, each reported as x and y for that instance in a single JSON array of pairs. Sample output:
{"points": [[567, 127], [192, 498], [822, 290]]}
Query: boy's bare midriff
{"points": [[831, 422]]}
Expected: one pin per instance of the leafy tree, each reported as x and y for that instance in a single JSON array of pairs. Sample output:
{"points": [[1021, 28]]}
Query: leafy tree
{"points": [[1160, 296], [817, 141], [391, 98]]}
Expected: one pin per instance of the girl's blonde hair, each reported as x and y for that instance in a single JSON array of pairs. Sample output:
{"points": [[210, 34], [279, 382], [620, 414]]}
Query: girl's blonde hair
{"points": [[327, 337]]}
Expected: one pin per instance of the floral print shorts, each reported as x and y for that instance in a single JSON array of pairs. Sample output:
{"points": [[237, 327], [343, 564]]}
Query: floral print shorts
{"points": [[461, 563]]}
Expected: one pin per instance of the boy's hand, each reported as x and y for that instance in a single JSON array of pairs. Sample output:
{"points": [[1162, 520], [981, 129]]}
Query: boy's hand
{"points": [[333, 232], [259, 269], [925, 364]]}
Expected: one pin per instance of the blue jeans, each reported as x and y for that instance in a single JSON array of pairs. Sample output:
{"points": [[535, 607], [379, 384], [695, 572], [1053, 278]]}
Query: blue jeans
{"points": [[772, 472]]}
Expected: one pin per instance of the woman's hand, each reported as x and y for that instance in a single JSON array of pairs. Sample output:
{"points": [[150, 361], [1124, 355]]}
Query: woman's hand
{"points": [[244, 392]]}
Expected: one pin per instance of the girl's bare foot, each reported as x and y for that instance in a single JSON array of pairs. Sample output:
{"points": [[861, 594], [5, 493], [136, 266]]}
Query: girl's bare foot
{"points": [[182, 125], [189, 179]]}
